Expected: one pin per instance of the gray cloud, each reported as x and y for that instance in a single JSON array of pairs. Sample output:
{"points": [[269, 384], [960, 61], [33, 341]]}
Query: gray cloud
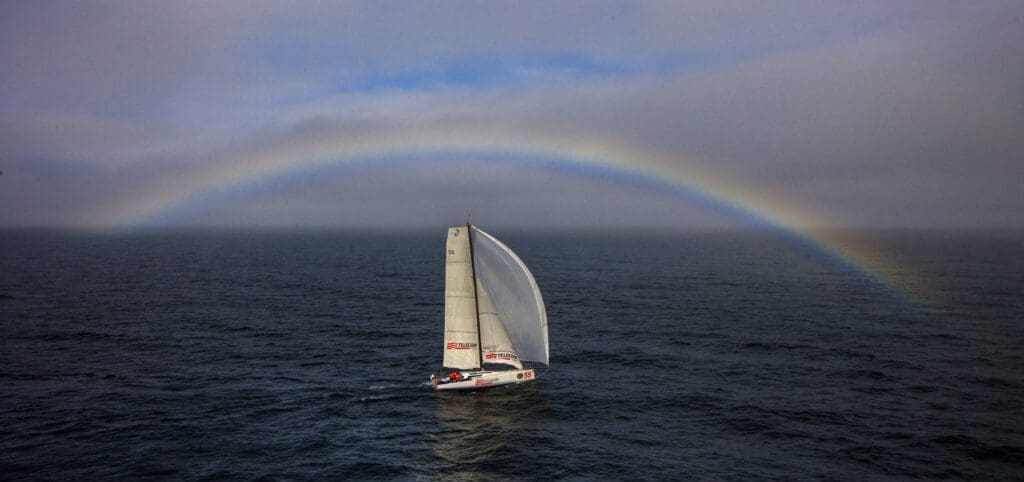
{"points": [[878, 115]]}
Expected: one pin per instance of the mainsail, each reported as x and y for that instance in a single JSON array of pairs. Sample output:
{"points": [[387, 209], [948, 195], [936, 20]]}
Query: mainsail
{"points": [[461, 330], [493, 310]]}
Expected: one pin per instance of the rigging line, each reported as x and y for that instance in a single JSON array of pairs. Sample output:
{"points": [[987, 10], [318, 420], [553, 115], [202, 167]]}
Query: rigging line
{"points": [[476, 298]]}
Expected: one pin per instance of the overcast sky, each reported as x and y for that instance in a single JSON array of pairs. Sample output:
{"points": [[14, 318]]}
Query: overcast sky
{"points": [[877, 114]]}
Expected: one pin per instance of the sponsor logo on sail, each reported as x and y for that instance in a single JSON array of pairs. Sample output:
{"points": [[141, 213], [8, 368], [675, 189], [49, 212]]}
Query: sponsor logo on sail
{"points": [[501, 356], [459, 346]]}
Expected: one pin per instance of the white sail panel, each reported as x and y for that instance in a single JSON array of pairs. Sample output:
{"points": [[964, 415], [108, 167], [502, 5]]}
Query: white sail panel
{"points": [[461, 339], [515, 295], [496, 347]]}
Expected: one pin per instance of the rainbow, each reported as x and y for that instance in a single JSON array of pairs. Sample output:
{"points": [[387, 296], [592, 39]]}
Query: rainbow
{"points": [[235, 171]]}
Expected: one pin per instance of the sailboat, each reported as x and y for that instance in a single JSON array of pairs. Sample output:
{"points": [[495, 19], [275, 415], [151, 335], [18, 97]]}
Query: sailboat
{"points": [[494, 318]]}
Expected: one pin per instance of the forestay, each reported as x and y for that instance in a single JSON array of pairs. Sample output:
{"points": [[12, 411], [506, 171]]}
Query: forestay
{"points": [[514, 293]]}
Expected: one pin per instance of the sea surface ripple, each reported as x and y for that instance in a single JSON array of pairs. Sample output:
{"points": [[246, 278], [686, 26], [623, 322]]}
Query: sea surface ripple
{"points": [[699, 355]]}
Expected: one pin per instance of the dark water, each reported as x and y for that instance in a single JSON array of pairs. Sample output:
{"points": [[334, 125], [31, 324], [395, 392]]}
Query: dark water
{"points": [[706, 355]]}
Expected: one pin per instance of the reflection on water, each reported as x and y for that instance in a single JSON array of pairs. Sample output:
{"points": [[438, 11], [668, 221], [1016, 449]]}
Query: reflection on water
{"points": [[483, 433]]}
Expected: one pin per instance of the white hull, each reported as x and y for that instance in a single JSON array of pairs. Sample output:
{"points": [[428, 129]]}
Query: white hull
{"points": [[485, 379]]}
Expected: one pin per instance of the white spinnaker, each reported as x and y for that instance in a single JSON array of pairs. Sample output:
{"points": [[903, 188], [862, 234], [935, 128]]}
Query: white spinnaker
{"points": [[497, 348], [460, 326], [515, 295]]}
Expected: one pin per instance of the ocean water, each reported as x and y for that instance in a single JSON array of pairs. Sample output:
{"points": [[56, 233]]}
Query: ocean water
{"points": [[697, 355]]}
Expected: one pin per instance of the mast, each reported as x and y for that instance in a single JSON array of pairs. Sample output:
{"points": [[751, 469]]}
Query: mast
{"points": [[476, 297]]}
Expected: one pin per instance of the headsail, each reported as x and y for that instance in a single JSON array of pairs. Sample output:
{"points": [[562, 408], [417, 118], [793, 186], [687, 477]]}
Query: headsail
{"points": [[496, 348], [514, 293], [461, 335]]}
